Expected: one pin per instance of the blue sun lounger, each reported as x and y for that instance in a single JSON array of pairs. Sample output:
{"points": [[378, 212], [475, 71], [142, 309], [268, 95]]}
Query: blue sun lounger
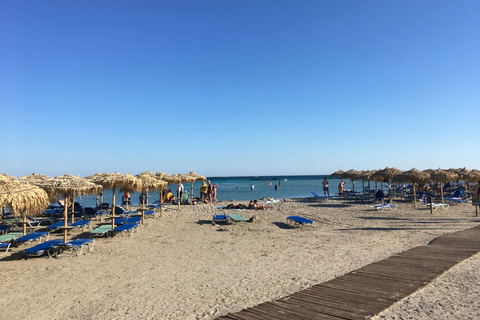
{"points": [[49, 247], [149, 213], [82, 223], [34, 236], [297, 221], [319, 197], [455, 199], [76, 246], [6, 246], [4, 229], [55, 226], [127, 228], [219, 218]]}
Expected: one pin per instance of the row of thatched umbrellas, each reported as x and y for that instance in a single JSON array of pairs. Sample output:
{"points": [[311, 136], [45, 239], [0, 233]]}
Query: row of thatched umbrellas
{"points": [[33, 193], [393, 175]]}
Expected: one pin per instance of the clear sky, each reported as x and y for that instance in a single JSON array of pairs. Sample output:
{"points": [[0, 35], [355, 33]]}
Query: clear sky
{"points": [[247, 87]]}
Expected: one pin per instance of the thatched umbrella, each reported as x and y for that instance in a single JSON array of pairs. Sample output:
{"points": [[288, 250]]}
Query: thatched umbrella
{"points": [[463, 174], [415, 176], [114, 181], [366, 175], [195, 177], [339, 173], [441, 176], [386, 174], [6, 177], [353, 175], [22, 198], [68, 186], [167, 178], [149, 182], [180, 178], [33, 179], [474, 175]]}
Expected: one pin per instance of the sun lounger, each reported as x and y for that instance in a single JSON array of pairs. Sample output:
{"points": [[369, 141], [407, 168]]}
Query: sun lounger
{"points": [[34, 223], [55, 226], [4, 229], [34, 236], [454, 199], [136, 219], [49, 247], [5, 246], [9, 237], [102, 230], [232, 218], [297, 221], [381, 207], [149, 213], [319, 197], [219, 218], [85, 224], [127, 228], [76, 246]]}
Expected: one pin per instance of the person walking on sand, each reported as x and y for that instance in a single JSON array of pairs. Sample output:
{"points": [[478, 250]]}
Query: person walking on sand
{"points": [[325, 187]]}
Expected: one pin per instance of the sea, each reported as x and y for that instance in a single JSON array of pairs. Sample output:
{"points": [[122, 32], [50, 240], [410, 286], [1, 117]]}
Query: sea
{"points": [[232, 189]]}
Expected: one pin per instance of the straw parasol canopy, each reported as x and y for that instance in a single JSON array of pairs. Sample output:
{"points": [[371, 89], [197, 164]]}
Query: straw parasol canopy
{"points": [[415, 176], [114, 181], [474, 175], [353, 175], [166, 177], [180, 178], [149, 182], [386, 174], [6, 177], [22, 199], [34, 179], [339, 173], [195, 177], [68, 186], [441, 176]]}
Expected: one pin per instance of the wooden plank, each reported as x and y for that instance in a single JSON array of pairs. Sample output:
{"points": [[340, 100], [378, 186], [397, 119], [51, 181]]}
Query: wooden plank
{"points": [[315, 311]]}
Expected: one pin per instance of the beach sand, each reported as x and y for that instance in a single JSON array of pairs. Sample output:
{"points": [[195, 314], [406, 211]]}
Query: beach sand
{"points": [[180, 266]]}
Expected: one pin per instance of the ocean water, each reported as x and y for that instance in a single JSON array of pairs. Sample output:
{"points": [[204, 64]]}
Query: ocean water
{"points": [[239, 188]]}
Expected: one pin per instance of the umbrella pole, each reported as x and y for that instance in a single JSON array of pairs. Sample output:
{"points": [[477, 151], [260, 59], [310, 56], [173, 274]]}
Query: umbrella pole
{"points": [[161, 203], [191, 192], [101, 209], [178, 195], [369, 190], [113, 209], [147, 197], [65, 218], [414, 195], [441, 191], [24, 223], [96, 201], [390, 191], [73, 207], [143, 208]]}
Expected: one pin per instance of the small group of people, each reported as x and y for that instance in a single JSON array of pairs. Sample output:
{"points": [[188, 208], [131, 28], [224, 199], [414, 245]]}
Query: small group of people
{"points": [[326, 191], [208, 192], [254, 204]]}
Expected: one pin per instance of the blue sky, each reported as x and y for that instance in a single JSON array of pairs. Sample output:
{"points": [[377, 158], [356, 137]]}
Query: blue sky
{"points": [[238, 87]]}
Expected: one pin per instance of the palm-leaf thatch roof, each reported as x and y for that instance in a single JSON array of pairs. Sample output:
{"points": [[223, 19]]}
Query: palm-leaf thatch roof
{"points": [[339, 173], [352, 174], [34, 179], [385, 174], [115, 180], [440, 175], [68, 185], [412, 175], [183, 178], [149, 180], [365, 175], [474, 175], [166, 177], [6, 177], [196, 176], [22, 197]]}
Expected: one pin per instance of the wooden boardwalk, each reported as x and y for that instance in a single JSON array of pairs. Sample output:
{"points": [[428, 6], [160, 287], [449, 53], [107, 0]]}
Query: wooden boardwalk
{"points": [[373, 288]]}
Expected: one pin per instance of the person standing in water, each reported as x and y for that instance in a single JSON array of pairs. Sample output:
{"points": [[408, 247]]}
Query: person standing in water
{"points": [[325, 187]]}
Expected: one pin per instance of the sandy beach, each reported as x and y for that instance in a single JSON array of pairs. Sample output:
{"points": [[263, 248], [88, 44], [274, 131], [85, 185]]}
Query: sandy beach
{"points": [[181, 266]]}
